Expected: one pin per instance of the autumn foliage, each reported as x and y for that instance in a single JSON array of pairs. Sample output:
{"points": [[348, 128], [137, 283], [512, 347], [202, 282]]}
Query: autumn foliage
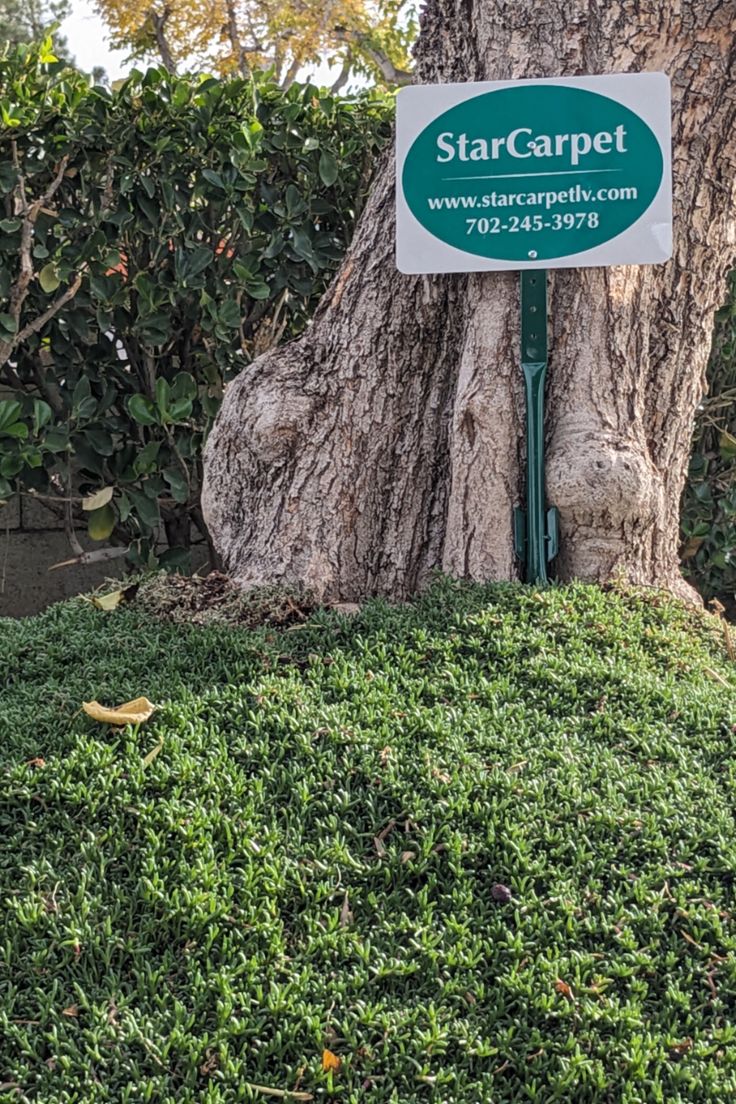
{"points": [[372, 37]]}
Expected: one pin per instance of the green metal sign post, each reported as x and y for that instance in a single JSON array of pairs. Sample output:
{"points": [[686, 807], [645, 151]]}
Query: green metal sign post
{"points": [[536, 529], [525, 176]]}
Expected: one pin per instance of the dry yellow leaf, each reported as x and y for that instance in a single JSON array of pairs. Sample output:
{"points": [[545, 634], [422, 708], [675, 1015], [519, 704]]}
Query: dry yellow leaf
{"points": [[97, 500], [330, 1061], [282, 1094], [566, 990], [152, 754], [71, 1010], [108, 601], [132, 712]]}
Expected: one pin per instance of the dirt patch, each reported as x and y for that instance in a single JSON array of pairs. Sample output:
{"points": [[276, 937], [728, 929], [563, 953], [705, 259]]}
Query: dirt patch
{"points": [[214, 599]]}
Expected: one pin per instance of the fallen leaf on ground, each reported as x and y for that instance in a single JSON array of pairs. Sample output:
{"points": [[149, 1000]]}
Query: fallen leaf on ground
{"points": [[72, 1010], [330, 1061], [132, 712], [282, 1094], [566, 990], [153, 753], [441, 775], [346, 915], [382, 835], [108, 601], [210, 1063], [38, 761], [112, 600], [715, 676], [679, 1050]]}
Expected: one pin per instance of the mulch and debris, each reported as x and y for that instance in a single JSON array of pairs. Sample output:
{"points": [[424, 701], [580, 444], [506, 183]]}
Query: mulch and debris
{"points": [[215, 599]]}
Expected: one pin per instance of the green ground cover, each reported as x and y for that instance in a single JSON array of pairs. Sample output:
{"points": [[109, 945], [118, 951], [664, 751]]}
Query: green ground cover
{"points": [[315, 857]]}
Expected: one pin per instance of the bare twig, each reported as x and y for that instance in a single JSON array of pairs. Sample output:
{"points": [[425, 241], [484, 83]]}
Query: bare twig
{"points": [[99, 555], [38, 323], [19, 290]]}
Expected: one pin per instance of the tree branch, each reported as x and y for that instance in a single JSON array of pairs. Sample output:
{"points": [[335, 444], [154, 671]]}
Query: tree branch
{"points": [[344, 73], [362, 41], [291, 72], [38, 323], [237, 46], [19, 290], [158, 23]]}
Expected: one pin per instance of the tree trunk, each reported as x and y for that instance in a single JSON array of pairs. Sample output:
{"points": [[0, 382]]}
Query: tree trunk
{"points": [[158, 23], [388, 440]]}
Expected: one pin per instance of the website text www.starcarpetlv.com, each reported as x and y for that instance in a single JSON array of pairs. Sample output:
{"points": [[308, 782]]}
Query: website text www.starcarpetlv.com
{"points": [[548, 200]]}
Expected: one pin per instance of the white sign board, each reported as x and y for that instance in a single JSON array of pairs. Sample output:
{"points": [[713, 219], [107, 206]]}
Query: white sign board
{"points": [[558, 173]]}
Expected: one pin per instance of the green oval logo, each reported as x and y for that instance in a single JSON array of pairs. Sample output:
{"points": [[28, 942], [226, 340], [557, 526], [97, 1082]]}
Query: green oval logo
{"points": [[532, 172]]}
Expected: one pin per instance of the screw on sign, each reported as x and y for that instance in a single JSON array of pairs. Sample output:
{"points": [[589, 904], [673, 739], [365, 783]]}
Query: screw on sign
{"points": [[531, 175]]}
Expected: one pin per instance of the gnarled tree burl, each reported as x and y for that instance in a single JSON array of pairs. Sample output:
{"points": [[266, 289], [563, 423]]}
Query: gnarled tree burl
{"points": [[388, 440]]}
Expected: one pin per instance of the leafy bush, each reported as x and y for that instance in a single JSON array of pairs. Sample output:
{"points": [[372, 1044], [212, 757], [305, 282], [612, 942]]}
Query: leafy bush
{"points": [[709, 503], [154, 240], [480, 848]]}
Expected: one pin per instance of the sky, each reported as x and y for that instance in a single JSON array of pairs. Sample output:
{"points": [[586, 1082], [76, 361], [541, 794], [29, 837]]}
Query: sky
{"points": [[88, 39]]}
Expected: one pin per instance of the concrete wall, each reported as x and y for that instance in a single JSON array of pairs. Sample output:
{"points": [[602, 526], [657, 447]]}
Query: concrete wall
{"points": [[31, 541]]}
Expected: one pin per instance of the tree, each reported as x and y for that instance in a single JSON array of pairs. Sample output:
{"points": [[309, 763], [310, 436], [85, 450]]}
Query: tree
{"points": [[30, 20], [388, 440], [366, 36]]}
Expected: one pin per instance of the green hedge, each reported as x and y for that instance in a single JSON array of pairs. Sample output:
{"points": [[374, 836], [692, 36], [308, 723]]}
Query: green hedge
{"points": [[204, 219]]}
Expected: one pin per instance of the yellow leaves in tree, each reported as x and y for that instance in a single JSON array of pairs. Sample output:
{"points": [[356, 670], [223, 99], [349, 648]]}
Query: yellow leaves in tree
{"points": [[367, 36], [132, 712]]}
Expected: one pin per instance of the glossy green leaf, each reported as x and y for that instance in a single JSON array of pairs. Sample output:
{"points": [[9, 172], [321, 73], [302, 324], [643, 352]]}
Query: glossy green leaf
{"points": [[142, 410], [9, 412], [328, 168], [48, 278], [101, 523], [213, 178]]}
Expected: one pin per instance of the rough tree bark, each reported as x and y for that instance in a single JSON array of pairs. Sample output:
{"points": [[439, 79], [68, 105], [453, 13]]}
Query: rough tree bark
{"points": [[388, 440]]}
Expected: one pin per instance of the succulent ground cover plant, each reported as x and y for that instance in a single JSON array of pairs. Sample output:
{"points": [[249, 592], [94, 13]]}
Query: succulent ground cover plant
{"points": [[479, 847]]}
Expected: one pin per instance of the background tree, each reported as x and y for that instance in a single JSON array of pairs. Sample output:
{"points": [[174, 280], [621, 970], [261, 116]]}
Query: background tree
{"points": [[30, 20], [387, 441], [371, 37]]}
